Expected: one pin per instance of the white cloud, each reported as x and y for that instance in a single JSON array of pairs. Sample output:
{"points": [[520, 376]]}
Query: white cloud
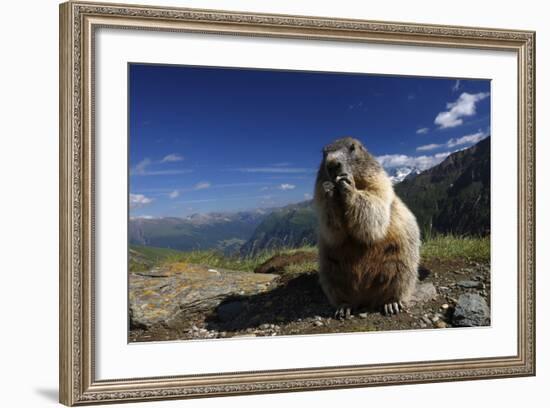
{"points": [[172, 157], [202, 185], [174, 194], [464, 140], [142, 169], [456, 85], [422, 131], [138, 200], [420, 162], [307, 196], [275, 170], [285, 187], [468, 139], [427, 147], [464, 106], [161, 172]]}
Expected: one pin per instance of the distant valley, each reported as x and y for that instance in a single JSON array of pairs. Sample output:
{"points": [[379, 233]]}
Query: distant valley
{"points": [[223, 231]]}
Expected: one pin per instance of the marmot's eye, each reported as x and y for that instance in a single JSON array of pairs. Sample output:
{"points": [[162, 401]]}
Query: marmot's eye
{"points": [[352, 147]]}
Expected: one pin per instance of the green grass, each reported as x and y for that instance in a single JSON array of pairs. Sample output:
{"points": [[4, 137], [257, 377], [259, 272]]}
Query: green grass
{"points": [[448, 247], [143, 258], [301, 267], [215, 259], [444, 247], [155, 254], [149, 256]]}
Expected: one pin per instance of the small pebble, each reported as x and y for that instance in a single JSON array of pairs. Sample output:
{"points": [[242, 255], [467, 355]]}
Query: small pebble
{"points": [[318, 323], [440, 324], [363, 315], [426, 319], [444, 306]]}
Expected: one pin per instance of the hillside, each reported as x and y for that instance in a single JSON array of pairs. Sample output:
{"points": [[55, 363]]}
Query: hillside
{"points": [[454, 196], [292, 226], [141, 258]]}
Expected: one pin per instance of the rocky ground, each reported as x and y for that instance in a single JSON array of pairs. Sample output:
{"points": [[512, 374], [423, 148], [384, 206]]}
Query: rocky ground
{"points": [[186, 301]]}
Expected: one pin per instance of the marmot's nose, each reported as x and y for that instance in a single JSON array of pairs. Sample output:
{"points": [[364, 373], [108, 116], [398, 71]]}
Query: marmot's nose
{"points": [[334, 167]]}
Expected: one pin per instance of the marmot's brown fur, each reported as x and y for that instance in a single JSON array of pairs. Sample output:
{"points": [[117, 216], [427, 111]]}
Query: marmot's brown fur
{"points": [[368, 239]]}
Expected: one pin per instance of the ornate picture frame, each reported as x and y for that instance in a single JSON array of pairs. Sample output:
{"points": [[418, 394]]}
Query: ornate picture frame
{"points": [[78, 24]]}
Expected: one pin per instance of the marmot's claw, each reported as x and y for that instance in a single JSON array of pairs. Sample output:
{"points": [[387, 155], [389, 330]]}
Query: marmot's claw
{"points": [[393, 308], [343, 312], [328, 187]]}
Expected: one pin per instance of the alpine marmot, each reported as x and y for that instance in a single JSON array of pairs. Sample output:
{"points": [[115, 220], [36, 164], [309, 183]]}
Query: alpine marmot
{"points": [[369, 241]]}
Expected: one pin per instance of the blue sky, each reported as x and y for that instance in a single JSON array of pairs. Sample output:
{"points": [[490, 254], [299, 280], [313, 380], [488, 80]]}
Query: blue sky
{"points": [[217, 139]]}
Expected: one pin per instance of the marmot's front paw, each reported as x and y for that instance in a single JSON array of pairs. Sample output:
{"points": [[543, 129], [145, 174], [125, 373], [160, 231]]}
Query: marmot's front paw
{"points": [[345, 183], [328, 188], [393, 308]]}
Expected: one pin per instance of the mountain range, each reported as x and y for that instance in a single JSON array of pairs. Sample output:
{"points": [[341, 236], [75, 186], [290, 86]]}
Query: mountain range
{"points": [[292, 226], [451, 197], [222, 231]]}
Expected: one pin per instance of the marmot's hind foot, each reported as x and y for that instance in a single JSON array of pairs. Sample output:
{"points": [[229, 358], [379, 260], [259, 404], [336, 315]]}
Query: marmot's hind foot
{"points": [[343, 312], [393, 308]]}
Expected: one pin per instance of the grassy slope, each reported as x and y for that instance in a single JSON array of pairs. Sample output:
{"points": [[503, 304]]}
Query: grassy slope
{"points": [[445, 247]]}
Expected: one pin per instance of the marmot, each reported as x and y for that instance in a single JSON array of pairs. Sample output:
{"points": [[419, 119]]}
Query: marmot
{"points": [[369, 241]]}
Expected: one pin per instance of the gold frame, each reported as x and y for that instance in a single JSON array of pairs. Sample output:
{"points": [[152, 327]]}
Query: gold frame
{"points": [[78, 21]]}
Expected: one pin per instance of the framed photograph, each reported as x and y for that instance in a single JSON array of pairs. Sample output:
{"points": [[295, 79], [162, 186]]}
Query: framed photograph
{"points": [[256, 203]]}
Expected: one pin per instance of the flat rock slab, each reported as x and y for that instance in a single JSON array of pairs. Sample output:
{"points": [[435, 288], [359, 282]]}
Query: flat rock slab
{"points": [[171, 296]]}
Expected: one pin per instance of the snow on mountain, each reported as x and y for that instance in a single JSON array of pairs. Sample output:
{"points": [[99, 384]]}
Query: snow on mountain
{"points": [[398, 174]]}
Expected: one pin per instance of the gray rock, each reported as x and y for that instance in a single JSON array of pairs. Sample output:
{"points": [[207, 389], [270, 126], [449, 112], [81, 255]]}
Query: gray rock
{"points": [[173, 296], [471, 310], [424, 292], [468, 284]]}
